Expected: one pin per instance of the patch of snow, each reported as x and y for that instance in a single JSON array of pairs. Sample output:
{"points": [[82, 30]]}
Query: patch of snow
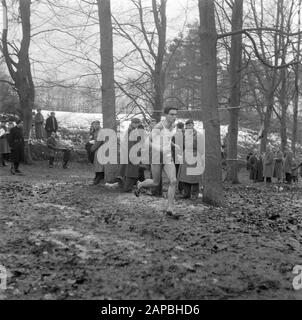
{"points": [[73, 121]]}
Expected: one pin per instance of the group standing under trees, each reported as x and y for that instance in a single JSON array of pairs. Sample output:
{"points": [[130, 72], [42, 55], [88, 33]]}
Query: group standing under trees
{"points": [[274, 50], [284, 167]]}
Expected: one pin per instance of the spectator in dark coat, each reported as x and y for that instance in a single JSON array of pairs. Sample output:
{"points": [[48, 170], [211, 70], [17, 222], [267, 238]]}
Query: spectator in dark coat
{"points": [[252, 164], [295, 170], [268, 165], [130, 172], [39, 128], [99, 168], [288, 164], [247, 160], [16, 142], [190, 183], [259, 166], [51, 124], [278, 167]]}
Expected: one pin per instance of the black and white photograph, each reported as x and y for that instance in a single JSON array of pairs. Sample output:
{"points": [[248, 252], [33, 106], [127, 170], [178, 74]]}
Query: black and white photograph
{"points": [[150, 150]]}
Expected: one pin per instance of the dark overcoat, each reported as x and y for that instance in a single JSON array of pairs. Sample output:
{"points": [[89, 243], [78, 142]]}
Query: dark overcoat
{"points": [[4, 146], [131, 170], [16, 142], [39, 128], [252, 164], [51, 125]]}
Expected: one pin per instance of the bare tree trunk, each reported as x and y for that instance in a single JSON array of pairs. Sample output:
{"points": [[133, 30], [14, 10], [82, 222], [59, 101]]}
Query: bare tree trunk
{"points": [[271, 75], [26, 107], [267, 121], [160, 19], [296, 97], [20, 71], [284, 105], [213, 190], [107, 66], [295, 112], [235, 79]]}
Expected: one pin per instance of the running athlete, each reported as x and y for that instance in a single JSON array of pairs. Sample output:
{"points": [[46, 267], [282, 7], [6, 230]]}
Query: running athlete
{"points": [[161, 144]]}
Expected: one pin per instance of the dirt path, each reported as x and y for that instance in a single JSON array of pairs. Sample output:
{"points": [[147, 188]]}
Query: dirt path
{"points": [[62, 238]]}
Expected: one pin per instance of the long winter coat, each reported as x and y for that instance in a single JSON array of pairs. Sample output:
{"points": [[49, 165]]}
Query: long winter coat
{"points": [[51, 125], [183, 175], [259, 167], [16, 142], [288, 163], [252, 165], [52, 145], [278, 170], [295, 168], [39, 128], [4, 146], [97, 166], [132, 170], [268, 165]]}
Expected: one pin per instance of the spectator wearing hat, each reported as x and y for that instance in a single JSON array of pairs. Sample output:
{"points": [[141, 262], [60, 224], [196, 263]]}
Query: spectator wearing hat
{"points": [[268, 165], [252, 163], [99, 168], [278, 168], [51, 124], [16, 143], [131, 173], [39, 125], [52, 146], [190, 183]]}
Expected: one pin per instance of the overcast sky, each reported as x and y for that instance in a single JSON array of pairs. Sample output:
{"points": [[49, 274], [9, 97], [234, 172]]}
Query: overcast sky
{"points": [[56, 63], [179, 13]]}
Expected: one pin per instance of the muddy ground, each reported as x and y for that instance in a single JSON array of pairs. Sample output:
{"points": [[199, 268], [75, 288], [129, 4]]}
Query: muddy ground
{"points": [[61, 238]]}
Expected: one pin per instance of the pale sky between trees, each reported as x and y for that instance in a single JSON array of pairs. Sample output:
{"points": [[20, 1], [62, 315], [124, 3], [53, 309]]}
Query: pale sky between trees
{"points": [[49, 63], [55, 55]]}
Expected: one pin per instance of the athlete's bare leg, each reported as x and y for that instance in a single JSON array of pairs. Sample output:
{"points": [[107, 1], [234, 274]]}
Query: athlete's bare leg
{"points": [[155, 181], [170, 171]]}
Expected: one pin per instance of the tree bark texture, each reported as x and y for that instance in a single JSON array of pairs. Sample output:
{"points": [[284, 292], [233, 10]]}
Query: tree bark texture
{"points": [[107, 66], [235, 94], [20, 71], [213, 190]]}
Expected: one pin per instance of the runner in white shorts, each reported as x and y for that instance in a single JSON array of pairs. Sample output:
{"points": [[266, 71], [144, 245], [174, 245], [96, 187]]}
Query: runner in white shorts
{"points": [[161, 144]]}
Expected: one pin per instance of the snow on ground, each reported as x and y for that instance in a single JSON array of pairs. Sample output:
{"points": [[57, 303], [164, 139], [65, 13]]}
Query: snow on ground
{"points": [[81, 121]]}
